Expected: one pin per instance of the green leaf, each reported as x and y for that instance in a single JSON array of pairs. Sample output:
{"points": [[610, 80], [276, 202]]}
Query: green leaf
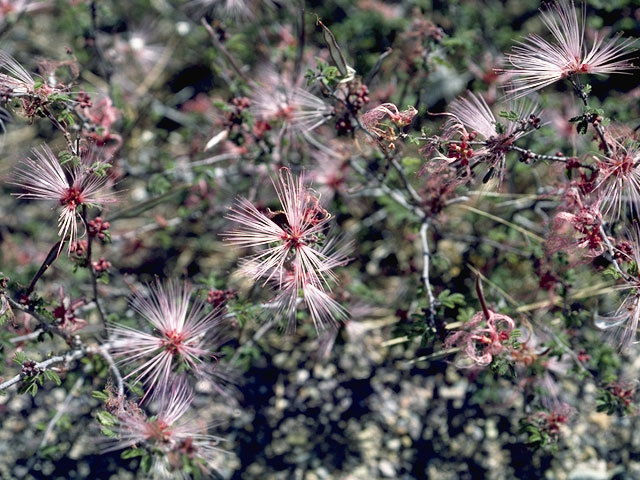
{"points": [[108, 432], [58, 97], [32, 389], [100, 168], [136, 389], [20, 358], [106, 419], [450, 300], [509, 115], [100, 395], [612, 272], [158, 184], [103, 278], [53, 376], [145, 463], [132, 453]]}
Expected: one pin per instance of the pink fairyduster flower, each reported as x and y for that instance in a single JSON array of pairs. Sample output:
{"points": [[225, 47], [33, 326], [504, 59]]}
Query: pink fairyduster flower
{"points": [[536, 62], [101, 116], [17, 7], [182, 336], [471, 117], [330, 173], [73, 186], [231, 9], [619, 182], [16, 80], [481, 344], [298, 111], [624, 321], [170, 432], [294, 256], [577, 225], [372, 119], [65, 313], [323, 309]]}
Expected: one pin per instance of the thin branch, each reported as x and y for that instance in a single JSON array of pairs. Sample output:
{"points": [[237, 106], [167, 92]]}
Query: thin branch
{"points": [[394, 194], [441, 353], [94, 278], [67, 358], [25, 338], [611, 251], [405, 181], [236, 68], [65, 404], [483, 302], [104, 353], [426, 256], [553, 158], [377, 66], [524, 151], [301, 41], [44, 324], [592, 119]]}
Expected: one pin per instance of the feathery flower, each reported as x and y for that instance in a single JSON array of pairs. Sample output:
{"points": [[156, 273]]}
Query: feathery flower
{"points": [[323, 309], [624, 321], [232, 9], [65, 313], [536, 62], [471, 116], [170, 431], [577, 225], [372, 119], [619, 182], [481, 344], [295, 256], [330, 173], [72, 187], [16, 80], [18, 7], [297, 110], [182, 336]]}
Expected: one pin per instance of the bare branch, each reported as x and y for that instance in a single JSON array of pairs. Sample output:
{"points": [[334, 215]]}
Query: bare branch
{"points": [[426, 256], [66, 359]]}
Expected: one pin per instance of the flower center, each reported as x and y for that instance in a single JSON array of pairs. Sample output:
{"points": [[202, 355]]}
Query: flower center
{"points": [[624, 166], [173, 342], [72, 198], [158, 431]]}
